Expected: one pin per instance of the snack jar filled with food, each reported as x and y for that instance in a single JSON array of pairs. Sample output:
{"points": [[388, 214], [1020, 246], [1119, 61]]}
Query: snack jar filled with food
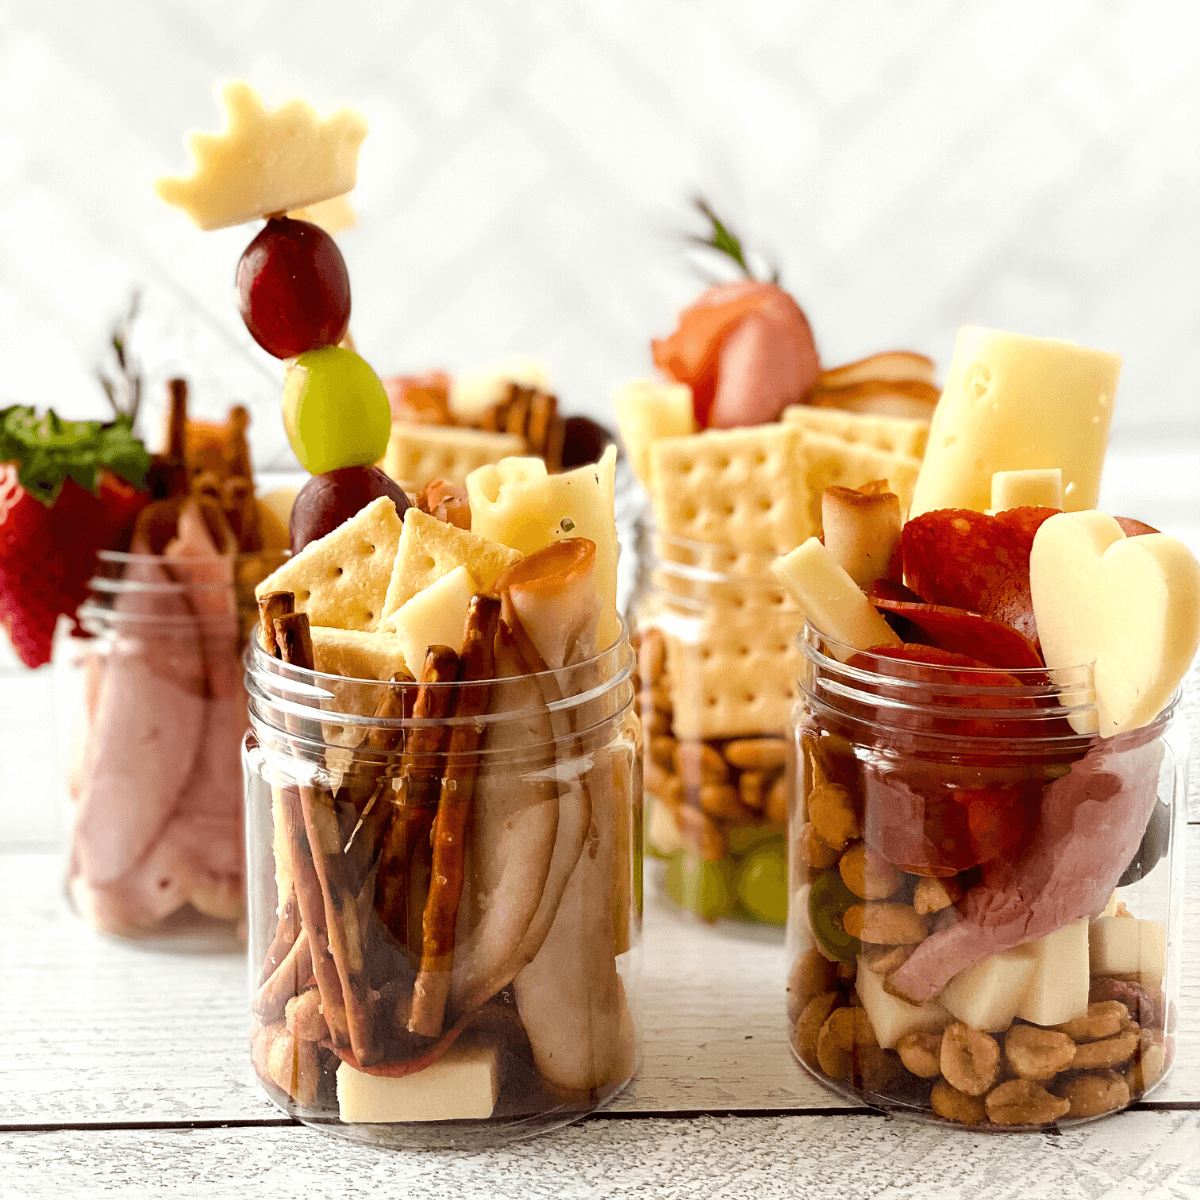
{"points": [[987, 770], [149, 700], [445, 874]]}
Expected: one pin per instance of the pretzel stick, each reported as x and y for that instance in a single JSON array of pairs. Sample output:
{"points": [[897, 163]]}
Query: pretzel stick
{"points": [[177, 405], [516, 420], [556, 437], [477, 662], [397, 882], [237, 448], [338, 908], [270, 606], [543, 409], [286, 932]]}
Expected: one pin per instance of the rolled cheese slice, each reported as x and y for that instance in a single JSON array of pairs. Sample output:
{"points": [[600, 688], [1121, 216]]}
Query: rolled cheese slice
{"points": [[1012, 403]]}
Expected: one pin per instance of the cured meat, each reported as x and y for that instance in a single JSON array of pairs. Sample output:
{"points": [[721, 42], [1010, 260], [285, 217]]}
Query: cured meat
{"points": [[1092, 820]]}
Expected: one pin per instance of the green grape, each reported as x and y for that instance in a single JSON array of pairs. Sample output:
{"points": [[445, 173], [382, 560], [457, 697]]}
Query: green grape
{"points": [[702, 886], [762, 883], [828, 899], [744, 838], [335, 411]]}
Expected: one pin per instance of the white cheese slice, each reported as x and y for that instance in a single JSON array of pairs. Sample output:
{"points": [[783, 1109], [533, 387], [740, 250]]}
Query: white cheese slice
{"points": [[830, 600], [461, 1086], [1036, 487], [987, 995], [1012, 403], [1058, 990], [891, 1018], [516, 507], [647, 409], [435, 617], [1127, 946]]}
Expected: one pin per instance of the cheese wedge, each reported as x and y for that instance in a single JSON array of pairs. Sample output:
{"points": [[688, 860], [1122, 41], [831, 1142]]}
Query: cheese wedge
{"points": [[435, 617], [647, 410], [891, 1018], [1127, 946], [1128, 606], [461, 1086], [516, 507], [830, 600], [1058, 987], [988, 995], [1011, 403], [1034, 488]]}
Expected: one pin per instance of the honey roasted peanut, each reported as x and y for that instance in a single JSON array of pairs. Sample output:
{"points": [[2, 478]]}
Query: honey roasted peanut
{"points": [[1036, 1053], [698, 762], [832, 1056], [1111, 1052], [809, 1024], [816, 852], [866, 874], [1104, 1019], [1094, 1092], [776, 808], [756, 754], [652, 656], [921, 1052], [812, 974], [1148, 1064], [852, 1028], [720, 800], [662, 751], [752, 789], [952, 1105], [1024, 1102], [933, 895], [883, 960], [831, 813], [970, 1059], [884, 922]]}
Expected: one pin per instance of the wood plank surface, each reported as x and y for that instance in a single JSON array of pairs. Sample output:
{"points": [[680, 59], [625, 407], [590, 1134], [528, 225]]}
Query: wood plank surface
{"points": [[104, 1032], [1151, 1155]]}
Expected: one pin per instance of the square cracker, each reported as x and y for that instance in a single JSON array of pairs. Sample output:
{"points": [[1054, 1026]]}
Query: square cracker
{"points": [[430, 549], [734, 487], [418, 454], [829, 460], [898, 435], [341, 580]]}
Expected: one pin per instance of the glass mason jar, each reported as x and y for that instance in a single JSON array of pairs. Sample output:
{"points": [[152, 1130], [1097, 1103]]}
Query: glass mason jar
{"points": [[474, 899], [151, 714], [717, 667], [985, 898]]}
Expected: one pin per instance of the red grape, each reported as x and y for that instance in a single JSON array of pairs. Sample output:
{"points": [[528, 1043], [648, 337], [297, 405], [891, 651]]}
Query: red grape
{"points": [[325, 501], [293, 288]]}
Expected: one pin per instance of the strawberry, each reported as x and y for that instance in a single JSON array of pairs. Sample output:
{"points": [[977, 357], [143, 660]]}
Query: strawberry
{"points": [[67, 490]]}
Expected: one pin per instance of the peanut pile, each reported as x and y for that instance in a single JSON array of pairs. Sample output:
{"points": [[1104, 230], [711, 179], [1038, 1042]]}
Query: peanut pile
{"points": [[709, 786], [1029, 1075]]}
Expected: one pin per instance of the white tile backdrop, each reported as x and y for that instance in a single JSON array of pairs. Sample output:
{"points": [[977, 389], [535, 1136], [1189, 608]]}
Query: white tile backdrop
{"points": [[911, 165]]}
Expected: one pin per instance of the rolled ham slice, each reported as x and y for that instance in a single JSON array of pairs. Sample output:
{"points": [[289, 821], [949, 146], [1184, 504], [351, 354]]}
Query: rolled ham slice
{"points": [[1092, 821]]}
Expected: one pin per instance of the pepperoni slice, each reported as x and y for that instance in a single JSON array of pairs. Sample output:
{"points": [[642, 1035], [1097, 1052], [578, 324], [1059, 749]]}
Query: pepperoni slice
{"points": [[963, 632]]}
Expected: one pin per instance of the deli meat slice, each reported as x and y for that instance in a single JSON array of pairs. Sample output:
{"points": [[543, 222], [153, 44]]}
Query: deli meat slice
{"points": [[1092, 821]]}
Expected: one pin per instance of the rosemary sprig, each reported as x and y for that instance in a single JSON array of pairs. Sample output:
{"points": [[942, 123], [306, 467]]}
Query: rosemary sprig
{"points": [[722, 239], [124, 387]]}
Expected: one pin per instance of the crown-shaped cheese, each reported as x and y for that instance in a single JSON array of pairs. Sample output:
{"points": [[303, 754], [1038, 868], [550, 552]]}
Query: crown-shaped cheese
{"points": [[332, 215], [266, 162]]}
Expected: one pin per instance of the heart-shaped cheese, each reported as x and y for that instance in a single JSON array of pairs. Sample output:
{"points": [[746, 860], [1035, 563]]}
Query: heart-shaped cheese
{"points": [[1128, 606]]}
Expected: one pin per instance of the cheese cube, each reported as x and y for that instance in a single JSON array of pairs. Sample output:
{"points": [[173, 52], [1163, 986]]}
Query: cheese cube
{"points": [[435, 617], [461, 1086], [662, 832], [891, 1018], [1012, 403], [1127, 946], [1036, 488], [830, 600], [647, 410], [517, 507], [987, 995], [1058, 990]]}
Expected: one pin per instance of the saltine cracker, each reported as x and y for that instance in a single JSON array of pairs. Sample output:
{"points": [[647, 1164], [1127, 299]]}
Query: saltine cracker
{"points": [[418, 454]]}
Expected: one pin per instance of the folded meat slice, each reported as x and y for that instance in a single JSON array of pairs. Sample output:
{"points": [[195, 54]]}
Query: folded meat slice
{"points": [[1092, 821], [570, 996]]}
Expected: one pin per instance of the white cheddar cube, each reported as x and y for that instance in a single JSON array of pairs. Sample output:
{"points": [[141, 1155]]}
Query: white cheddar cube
{"points": [[1058, 990], [461, 1086], [1110, 909], [1127, 946], [988, 995], [435, 617], [1032, 488], [891, 1018], [662, 832], [830, 600], [647, 410]]}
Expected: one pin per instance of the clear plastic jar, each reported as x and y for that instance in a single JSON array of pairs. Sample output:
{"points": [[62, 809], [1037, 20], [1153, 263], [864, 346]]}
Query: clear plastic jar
{"points": [[471, 987], [717, 668], [985, 903], [151, 714]]}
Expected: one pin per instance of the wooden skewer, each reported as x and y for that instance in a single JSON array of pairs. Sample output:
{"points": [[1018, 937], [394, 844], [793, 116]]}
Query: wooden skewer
{"points": [[477, 662]]}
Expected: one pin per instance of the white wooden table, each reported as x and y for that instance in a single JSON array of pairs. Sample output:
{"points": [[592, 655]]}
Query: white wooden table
{"points": [[127, 1073]]}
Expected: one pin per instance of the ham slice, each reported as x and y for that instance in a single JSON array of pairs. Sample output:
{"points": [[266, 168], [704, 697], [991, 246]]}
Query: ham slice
{"points": [[1092, 821]]}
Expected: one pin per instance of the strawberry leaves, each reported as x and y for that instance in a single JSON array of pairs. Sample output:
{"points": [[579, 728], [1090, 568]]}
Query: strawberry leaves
{"points": [[48, 451]]}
